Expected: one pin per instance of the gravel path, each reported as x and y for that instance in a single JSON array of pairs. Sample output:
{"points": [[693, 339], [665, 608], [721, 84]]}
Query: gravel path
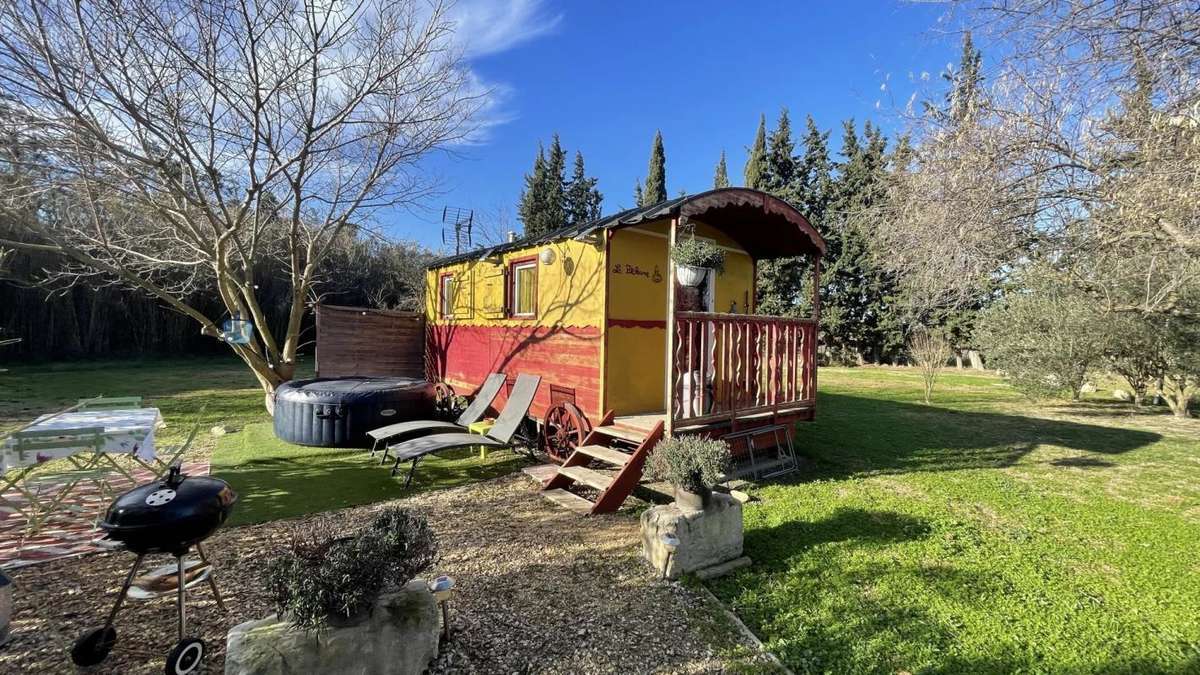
{"points": [[539, 590]]}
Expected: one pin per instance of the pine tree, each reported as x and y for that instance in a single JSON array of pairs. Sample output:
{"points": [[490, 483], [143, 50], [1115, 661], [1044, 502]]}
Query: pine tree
{"points": [[721, 177], [780, 173], [637, 193], [583, 199], [967, 82], [655, 190], [780, 284], [533, 196], [966, 86], [862, 321], [544, 204], [752, 177]]}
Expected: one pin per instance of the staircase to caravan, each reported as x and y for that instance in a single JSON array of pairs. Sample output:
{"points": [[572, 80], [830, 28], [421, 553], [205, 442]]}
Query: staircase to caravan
{"points": [[608, 462]]}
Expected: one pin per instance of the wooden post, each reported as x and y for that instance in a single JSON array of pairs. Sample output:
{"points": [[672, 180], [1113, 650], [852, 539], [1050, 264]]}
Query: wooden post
{"points": [[669, 426], [816, 331]]}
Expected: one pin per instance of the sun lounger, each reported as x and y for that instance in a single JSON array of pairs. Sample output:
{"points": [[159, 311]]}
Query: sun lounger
{"points": [[501, 435], [474, 412]]}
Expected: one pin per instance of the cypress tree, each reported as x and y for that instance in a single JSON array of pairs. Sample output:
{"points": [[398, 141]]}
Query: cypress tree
{"points": [[753, 175], [656, 175], [583, 199], [721, 177], [637, 193]]}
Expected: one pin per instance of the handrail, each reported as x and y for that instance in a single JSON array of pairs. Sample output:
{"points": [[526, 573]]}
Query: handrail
{"points": [[724, 366], [760, 318]]}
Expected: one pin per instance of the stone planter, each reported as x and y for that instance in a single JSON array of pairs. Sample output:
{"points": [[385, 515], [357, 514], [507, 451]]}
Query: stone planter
{"points": [[399, 635], [692, 501], [710, 539], [690, 276]]}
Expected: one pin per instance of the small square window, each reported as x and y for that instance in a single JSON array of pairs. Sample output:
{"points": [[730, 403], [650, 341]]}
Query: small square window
{"points": [[522, 294], [446, 295]]}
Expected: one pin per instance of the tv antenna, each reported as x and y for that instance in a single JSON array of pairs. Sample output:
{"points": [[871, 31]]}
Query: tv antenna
{"points": [[456, 225]]}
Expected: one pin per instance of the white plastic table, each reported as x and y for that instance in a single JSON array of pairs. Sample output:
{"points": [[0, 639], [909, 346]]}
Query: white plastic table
{"points": [[128, 433]]}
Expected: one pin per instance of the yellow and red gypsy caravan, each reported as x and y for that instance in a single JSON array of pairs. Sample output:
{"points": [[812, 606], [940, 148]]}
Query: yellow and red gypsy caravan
{"points": [[588, 308]]}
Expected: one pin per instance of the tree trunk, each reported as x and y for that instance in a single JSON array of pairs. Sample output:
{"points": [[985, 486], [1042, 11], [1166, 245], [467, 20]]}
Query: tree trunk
{"points": [[958, 359], [975, 359]]}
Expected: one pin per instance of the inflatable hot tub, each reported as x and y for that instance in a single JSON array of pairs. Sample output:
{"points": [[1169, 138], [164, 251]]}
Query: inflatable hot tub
{"points": [[338, 412]]}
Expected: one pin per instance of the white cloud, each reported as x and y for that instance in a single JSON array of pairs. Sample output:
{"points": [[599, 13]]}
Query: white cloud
{"points": [[491, 26]]}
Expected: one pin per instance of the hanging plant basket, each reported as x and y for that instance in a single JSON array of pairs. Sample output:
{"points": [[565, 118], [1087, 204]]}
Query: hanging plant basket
{"points": [[694, 258], [690, 276]]}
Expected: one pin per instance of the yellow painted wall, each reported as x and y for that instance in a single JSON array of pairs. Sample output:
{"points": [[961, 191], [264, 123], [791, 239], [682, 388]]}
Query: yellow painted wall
{"points": [[570, 291], [637, 309]]}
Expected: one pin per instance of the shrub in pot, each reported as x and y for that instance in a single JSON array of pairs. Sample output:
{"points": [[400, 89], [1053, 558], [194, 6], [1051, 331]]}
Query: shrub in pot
{"points": [[328, 578], [693, 465], [693, 256]]}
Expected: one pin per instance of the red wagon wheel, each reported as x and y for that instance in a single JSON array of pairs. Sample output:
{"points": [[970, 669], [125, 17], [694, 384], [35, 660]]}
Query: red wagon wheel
{"points": [[563, 429]]}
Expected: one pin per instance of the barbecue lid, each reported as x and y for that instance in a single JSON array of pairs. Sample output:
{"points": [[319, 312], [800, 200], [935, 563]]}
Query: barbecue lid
{"points": [[174, 497]]}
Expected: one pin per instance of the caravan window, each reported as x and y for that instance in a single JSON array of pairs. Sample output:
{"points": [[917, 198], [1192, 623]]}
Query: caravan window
{"points": [[522, 294], [446, 296]]}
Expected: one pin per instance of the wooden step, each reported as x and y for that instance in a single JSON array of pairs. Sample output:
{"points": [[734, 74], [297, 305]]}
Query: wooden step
{"points": [[569, 500], [580, 474], [634, 435], [604, 454]]}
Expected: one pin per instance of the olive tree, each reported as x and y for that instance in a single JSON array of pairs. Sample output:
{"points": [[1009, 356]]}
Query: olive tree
{"points": [[185, 142], [1045, 337], [1082, 146]]}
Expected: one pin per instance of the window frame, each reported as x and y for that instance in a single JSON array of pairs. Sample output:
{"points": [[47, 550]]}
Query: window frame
{"points": [[511, 288], [446, 312]]}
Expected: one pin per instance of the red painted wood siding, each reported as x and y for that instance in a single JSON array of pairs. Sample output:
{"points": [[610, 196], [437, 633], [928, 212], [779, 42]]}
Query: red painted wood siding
{"points": [[567, 357]]}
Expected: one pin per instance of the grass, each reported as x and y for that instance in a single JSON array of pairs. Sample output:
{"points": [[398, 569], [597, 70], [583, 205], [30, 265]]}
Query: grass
{"points": [[273, 479], [279, 480], [979, 534]]}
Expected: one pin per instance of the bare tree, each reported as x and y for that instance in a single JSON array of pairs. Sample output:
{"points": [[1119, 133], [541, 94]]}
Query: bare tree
{"points": [[931, 351], [1084, 150], [183, 142]]}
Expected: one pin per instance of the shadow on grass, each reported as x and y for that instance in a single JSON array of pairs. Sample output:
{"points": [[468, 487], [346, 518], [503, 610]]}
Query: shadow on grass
{"points": [[862, 435], [277, 480], [775, 545]]}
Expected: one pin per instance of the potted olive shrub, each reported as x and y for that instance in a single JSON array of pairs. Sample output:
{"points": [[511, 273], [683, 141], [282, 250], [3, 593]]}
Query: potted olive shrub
{"points": [[694, 257], [693, 465], [326, 579], [701, 531]]}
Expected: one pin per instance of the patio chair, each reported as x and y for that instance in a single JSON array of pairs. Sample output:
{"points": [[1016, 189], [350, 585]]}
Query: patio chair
{"points": [[36, 481], [474, 412], [501, 435], [109, 403]]}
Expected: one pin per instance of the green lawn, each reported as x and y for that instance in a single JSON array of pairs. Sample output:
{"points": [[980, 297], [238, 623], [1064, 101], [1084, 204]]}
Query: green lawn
{"points": [[979, 534], [273, 479]]}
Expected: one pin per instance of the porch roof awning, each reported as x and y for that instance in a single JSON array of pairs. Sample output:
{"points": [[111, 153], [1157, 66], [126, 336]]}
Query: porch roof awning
{"points": [[766, 226]]}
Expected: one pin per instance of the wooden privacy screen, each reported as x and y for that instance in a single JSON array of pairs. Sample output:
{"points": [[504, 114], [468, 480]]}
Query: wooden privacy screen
{"points": [[371, 342]]}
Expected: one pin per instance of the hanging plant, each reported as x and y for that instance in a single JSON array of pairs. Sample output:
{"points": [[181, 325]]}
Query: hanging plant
{"points": [[695, 252]]}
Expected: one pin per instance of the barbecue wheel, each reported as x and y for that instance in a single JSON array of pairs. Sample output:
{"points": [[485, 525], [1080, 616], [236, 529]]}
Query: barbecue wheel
{"points": [[186, 657], [93, 646], [563, 429]]}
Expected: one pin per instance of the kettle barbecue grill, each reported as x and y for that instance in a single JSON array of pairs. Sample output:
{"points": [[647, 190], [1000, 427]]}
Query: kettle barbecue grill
{"points": [[169, 515]]}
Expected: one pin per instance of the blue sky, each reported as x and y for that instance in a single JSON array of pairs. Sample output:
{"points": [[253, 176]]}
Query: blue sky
{"points": [[606, 75]]}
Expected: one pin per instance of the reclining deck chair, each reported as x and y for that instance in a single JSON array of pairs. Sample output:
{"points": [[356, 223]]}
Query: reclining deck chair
{"points": [[501, 434], [474, 412]]}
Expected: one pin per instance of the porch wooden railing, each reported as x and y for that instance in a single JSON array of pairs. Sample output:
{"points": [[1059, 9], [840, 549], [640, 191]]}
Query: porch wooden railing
{"points": [[725, 366]]}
